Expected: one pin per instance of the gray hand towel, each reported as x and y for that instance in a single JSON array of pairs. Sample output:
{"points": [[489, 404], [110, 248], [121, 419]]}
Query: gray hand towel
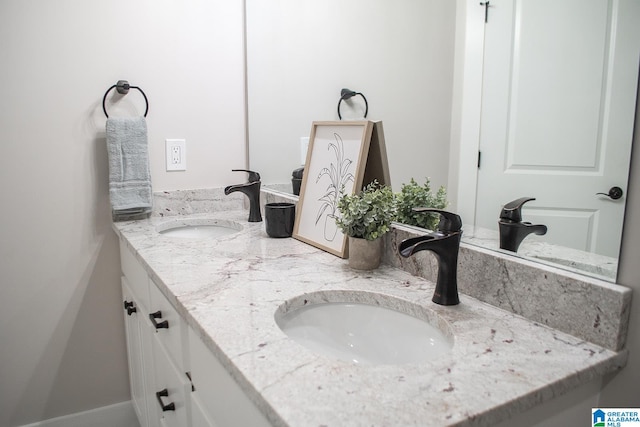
{"points": [[129, 176]]}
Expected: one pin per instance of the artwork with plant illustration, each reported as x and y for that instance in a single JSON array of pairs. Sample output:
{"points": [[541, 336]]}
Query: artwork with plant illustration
{"points": [[335, 166], [336, 177]]}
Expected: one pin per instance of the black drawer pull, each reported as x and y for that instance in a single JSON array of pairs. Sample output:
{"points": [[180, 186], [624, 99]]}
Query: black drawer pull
{"points": [[158, 325], [165, 393], [130, 307]]}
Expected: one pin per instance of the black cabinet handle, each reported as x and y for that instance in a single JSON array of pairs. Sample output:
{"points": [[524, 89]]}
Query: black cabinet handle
{"points": [[130, 307], [158, 325], [188, 374], [168, 407]]}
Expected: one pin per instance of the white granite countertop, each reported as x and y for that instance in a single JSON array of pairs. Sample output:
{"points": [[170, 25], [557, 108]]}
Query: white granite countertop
{"points": [[596, 265], [229, 289]]}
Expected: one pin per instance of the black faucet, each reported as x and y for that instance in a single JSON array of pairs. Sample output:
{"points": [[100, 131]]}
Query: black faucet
{"points": [[444, 243], [252, 190], [512, 229]]}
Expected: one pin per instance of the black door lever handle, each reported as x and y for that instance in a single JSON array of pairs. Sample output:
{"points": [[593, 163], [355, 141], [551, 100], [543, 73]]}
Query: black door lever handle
{"points": [[614, 193]]}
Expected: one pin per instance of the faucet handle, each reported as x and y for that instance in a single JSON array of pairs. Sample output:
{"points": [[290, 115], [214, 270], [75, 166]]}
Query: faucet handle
{"points": [[253, 176], [513, 209], [449, 222]]}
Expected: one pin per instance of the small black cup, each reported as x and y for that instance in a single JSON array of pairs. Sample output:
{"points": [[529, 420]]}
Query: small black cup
{"points": [[279, 219], [295, 184]]}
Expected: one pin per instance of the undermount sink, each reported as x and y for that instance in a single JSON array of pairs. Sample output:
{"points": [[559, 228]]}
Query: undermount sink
{"points": [[201, 228], [341, 327]]}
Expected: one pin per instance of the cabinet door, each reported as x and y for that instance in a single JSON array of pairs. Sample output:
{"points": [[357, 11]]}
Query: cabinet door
{"points": [[170, 391], [221, 399], [147, 332], [199, 416], [135, 353], [169, 326]]}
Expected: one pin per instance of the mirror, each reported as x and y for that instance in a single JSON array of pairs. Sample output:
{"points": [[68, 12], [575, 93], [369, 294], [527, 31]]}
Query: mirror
{"points": [[400, 55], [413, 61]]}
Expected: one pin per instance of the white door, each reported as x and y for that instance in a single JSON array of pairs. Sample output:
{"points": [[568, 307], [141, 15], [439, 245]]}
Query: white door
{"points": [[558, 102]]}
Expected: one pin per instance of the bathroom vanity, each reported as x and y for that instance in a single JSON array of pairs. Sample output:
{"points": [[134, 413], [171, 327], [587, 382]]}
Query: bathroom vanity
{"points": [[223, 360]]}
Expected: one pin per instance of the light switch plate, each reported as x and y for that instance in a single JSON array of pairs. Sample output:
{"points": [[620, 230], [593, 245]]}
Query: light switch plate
{"points": [[304, 147]]}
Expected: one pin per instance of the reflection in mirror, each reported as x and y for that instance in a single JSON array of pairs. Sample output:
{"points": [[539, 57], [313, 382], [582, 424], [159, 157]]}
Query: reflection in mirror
{"points": [[400, 54], [559, 133], [414, 61]]}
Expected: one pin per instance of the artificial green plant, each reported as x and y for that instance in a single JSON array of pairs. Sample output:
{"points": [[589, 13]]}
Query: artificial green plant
{"points": [[412, 196], [367, 214]]}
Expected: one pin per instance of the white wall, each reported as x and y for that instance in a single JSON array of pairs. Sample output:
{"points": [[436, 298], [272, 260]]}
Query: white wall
{"points": [[61, 330], [398, 54]]}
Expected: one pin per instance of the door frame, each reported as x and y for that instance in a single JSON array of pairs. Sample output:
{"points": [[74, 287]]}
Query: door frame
{"points": [[467, 107]]}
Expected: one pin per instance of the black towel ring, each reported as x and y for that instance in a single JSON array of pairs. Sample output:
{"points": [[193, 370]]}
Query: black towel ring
{"points": [[346, 94], [123, 87]]}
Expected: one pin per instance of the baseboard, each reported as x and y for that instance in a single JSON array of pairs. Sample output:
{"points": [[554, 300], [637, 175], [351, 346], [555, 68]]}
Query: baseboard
{"points": [[119, 415]]}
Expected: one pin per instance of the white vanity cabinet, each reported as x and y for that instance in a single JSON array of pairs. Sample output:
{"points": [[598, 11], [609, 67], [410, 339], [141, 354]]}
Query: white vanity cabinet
{"points": [[175, 379]]}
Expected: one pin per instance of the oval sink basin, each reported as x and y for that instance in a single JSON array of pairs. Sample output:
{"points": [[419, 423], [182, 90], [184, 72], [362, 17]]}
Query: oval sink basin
{"points": [[198, 228], [363, 333]]}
